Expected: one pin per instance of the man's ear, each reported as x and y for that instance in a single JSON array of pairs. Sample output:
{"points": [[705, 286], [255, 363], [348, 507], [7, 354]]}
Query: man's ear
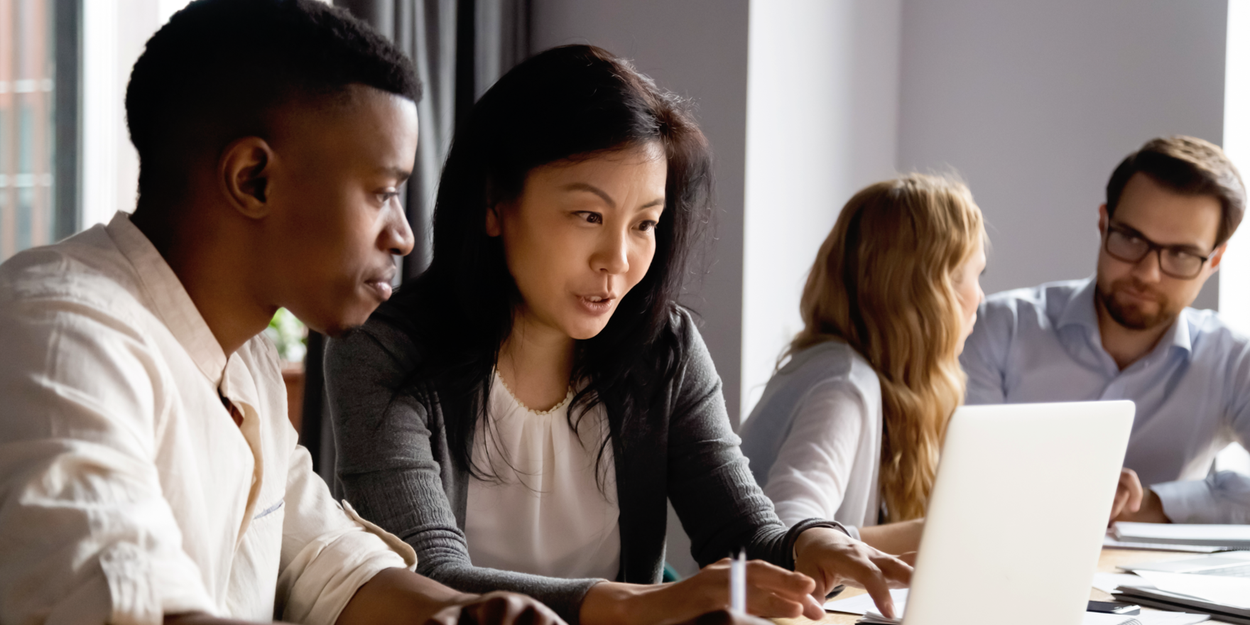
{"points": [[244, 172], [494, 225], [1102, 220], [1217, 256]]}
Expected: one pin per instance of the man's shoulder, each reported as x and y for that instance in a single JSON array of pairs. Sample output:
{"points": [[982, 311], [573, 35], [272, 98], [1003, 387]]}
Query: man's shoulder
{"points": [[1042, 297], [85, 271], [1209, 330], [1024, 315]]}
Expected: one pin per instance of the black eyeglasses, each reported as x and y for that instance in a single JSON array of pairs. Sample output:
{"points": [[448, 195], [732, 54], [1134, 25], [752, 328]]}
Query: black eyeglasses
{"points": [[1126, 244]]}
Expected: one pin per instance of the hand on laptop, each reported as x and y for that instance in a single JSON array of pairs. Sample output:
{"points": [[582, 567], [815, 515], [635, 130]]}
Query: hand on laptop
{"points": [[1134, 503], [830, 558]]}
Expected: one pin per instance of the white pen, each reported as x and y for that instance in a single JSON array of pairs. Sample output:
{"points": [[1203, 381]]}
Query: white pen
{"points": [[738, 583]]}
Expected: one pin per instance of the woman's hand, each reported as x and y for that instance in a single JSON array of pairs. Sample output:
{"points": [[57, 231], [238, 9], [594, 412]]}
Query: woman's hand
{"points": [[830, 557], [772, 592], [725, 617]]}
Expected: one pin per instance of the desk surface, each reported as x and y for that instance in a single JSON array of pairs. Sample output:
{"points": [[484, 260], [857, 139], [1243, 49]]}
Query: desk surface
{"points": [[1107, 563]]}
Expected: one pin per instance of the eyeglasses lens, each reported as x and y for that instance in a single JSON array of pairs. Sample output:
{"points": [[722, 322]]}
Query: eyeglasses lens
{"points": [[1132, 249]]}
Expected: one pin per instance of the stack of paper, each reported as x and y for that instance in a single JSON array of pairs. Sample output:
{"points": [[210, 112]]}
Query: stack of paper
{"points": [[863, 606], [1091, 618], [1218, 536], [1225, 598], [872, 618], [1110, 541]]}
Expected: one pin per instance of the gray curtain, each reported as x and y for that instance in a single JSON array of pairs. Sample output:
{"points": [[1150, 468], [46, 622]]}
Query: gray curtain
{"points": [[460, 48]]}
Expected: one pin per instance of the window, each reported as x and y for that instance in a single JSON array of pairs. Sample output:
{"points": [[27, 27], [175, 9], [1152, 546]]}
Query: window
{"points": [[113, 35], [1234, 272], [28, 215]]}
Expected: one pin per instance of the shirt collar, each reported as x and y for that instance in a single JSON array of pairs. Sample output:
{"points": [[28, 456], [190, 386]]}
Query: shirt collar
{"points": [[169, 299], [1178, 335], [1080, 311]]}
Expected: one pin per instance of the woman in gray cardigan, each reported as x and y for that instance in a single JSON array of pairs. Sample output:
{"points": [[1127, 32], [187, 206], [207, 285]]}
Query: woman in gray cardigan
{"points": [[521, 412]]}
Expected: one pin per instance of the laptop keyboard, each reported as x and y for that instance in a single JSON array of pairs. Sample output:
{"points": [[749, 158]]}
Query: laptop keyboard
{"points": [[1242, 570]]}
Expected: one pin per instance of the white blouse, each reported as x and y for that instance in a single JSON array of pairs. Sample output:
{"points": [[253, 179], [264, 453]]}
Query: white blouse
{"points": [[829, 466], [543, 513], [814, 439]]}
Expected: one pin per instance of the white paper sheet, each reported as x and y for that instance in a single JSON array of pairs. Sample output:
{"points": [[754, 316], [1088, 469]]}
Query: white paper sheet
{"points": [[1185, 534], [1231, 591], [862, 604], [1158, 617], [1090, 618], [1111, 542], [1108, 582]]}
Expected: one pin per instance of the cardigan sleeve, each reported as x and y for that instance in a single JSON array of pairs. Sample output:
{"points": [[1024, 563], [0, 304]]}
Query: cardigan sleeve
{"points": [[710, 486], [389, 471]]}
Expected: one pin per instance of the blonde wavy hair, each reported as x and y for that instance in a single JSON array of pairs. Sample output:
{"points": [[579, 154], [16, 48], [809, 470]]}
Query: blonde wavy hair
{"points": [[883, 283]]}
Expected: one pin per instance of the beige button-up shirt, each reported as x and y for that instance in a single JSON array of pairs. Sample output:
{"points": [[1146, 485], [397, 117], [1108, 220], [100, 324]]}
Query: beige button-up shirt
{"points": [[127, 491]]}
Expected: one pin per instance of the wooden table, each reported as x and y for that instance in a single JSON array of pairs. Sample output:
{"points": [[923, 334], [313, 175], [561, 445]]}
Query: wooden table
{"points": [[1107, 563]]}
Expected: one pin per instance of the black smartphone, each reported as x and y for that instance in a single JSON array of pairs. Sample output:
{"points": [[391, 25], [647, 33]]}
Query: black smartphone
{"points": [[1111, 607]]}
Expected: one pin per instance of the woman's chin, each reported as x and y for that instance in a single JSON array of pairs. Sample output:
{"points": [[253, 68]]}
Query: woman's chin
{"points": [[587, 329]]}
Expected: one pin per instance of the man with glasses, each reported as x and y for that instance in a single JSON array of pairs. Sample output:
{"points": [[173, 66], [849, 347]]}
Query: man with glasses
{"points": [[1128, 333]]}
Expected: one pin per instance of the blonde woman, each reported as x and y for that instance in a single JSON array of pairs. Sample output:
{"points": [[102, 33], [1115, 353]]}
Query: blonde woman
{"points": [[849, 428]]}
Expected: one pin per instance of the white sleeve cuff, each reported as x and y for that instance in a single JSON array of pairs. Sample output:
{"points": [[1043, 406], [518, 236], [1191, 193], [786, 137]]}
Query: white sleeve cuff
{"points": [[853, 531], [1222, 497], [332, 568]]}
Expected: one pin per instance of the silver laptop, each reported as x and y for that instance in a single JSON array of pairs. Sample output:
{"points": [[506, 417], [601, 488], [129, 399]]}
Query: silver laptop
{"points": [[1018, 513]]}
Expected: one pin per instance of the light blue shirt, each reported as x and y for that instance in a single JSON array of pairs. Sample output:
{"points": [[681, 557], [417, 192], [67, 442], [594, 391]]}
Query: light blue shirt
{"points": [[1192, 390]]}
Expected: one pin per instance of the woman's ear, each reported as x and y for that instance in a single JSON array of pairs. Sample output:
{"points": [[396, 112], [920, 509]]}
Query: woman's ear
{"points": [[494, 225]]}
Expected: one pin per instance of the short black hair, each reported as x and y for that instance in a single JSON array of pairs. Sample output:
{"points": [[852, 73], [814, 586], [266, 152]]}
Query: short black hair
{"points": [[217, 69]]}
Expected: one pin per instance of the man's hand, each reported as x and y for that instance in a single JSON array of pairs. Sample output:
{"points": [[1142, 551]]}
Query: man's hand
{"points": [[1128, 495], [496, 608], [1135, 504], [400, 597], [830, 557]]}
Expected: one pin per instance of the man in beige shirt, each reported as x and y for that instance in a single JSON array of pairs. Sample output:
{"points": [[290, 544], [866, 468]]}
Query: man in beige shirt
{"points": [[147, 469]]}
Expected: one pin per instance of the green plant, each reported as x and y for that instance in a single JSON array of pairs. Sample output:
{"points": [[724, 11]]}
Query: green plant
{"points": [[289, 335]]}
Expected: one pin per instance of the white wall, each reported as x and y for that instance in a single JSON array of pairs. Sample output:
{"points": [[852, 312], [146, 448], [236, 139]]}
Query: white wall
{"points": [[822, 107], [697, 48], [1035, 103]]}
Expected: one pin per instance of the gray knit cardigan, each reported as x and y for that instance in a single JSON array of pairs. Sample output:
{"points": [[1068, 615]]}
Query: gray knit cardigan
{"points": [[395, 468]]}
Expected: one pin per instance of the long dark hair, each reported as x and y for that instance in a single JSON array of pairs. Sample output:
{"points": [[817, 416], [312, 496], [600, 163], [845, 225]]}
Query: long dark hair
{"points": [[568, 103]]}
